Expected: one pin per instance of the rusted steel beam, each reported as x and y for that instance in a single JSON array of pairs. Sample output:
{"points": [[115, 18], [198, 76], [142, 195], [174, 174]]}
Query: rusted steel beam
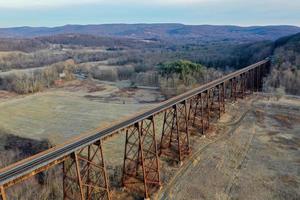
{"points": [[196, 112], [256, 80], [35, 172], [141, 163], [225, 90], [79, 176], [89, 158], [202, 113], [235, 83], [84, 174], [195, 104], [260, 77], [252, 81], [243, 85], [247, 83], [93, 172], [222, 97], [2, 193], [231, 89], [208, 105], [220, 101], [215, 102], [175, 134], [205, 110], [72, 184]]}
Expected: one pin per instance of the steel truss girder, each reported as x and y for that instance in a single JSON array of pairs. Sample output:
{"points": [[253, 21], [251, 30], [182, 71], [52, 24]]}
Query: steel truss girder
{"points": [[233, 90], [239, 86], [84, 174], [197, 117], [141, 162], [175, 135], [221, 98], [2, 193], [215, 102]]}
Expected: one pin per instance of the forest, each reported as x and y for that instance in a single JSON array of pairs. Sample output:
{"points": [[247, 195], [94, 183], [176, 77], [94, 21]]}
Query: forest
{"points": [[129, 58]]}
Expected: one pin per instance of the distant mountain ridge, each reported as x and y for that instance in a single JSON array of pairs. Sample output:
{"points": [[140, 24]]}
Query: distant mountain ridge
{"points": [[159, 31]]}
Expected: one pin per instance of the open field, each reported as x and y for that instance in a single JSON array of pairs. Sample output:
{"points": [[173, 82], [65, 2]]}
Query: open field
{"points": [[254, 155], [62, 113]]}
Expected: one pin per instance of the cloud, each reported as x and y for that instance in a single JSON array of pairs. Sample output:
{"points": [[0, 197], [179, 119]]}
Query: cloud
{"points": [[20, 4]]}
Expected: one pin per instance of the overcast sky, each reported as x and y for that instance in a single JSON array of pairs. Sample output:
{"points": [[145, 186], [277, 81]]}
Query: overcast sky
{"points": [[233, 12]]}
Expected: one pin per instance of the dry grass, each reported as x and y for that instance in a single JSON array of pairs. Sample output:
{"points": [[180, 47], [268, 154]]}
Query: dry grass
{"points": [[58, 115]]}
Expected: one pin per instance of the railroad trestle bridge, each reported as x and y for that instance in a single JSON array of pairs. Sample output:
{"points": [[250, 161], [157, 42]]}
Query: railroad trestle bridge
{"points": [[84, 172]]}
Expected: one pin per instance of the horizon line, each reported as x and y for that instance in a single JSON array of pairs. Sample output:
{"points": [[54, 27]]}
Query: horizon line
{"points": [[149, 23]]}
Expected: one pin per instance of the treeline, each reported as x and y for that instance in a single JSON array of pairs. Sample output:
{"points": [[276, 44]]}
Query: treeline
{"points": [[111, 43], [285, 74], [20, 60], [37, 80], [24, 45]]}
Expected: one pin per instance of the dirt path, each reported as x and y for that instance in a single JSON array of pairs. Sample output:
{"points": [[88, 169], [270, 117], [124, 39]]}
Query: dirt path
{"points": [[256, 157]]}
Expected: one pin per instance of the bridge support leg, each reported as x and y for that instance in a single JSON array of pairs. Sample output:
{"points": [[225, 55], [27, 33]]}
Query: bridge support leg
{"points": [[208, 108], [249, 80], [222, 91], [196, 112], [215, 102], [260, 76], [85, 174], [235, 92], [175, 135], [233, 89], [193, 110], [141, 164], [220, 101], [197, 115], [2, 193], [256, 79], [72, 185], [202, 113], [252, 79], [205, 111], [243, 85], [247, 86]]}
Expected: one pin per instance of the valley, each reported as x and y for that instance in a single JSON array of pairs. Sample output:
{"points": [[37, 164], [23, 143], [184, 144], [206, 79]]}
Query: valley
{"points": [[62, 87]]}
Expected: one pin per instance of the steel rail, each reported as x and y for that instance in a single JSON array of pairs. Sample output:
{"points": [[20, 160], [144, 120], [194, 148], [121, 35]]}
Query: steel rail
{"points": [[27, 166]]}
